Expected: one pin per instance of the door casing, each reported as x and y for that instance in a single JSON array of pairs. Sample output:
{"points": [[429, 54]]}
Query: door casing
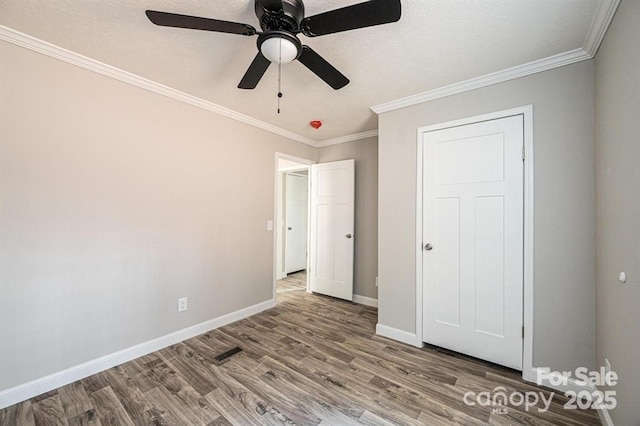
{"points": [[277, 198], [528, 371]]}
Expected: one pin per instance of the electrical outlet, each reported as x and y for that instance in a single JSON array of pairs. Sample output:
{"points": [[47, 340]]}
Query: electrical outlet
{"points": [[182, 304]]}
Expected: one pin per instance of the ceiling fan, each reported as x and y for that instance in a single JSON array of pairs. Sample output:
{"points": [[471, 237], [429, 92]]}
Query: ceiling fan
{"points": [[281, 21]]}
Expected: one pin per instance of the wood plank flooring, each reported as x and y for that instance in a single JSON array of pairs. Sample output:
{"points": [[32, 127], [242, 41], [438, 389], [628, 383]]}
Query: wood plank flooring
{"points": [[292, 282], [311, 360]]}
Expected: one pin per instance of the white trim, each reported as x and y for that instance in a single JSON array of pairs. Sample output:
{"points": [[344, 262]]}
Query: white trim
{"points": [[595, 35], [39, 386], [56, 52], [277, 194], [367, 301], [527, 112], [600, 25], [540, 65], [277, 228], [48, 49], [295, 170], [347, 138], [529, 209], [399, 335], [567, 384], [418, 240]]}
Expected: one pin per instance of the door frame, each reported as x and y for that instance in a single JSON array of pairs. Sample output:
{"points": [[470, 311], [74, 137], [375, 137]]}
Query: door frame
{"points": [[528, 372], [277, 196]]}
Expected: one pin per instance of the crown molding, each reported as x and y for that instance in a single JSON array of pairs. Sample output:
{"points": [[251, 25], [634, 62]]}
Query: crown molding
{"points": [[534, 67], [347, 138], [48, 49], [600, 25], [595, 35]]}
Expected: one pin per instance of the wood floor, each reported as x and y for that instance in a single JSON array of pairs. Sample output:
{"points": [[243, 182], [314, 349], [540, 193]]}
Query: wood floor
{"points": [[311, 360], [293, 282]]}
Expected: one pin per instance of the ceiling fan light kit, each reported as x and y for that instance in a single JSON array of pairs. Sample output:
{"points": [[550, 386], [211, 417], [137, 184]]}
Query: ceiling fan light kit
{"points": [[279, 47], [281, 21]]}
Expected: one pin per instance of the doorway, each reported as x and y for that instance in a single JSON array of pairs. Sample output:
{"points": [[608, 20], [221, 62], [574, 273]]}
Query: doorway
{"points": [[314, 226], [295, 205], [292, 223]]}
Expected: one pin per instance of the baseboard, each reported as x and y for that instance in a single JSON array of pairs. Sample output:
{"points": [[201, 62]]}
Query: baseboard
{"points": [[399, 335], [363, 300], [39, 386], [547, 379]]}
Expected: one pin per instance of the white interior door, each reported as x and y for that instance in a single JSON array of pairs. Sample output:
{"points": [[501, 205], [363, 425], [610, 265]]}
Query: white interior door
{"points": [[332, 236], [473, 239], [296, 213]]}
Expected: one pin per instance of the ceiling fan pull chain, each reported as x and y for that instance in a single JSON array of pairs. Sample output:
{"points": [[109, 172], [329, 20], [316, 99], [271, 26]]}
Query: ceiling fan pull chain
{"points": [[280, 77]]}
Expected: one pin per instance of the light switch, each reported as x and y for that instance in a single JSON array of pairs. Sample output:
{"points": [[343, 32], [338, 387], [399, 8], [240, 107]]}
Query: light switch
{"points": [[269, 225], [622, 277]]}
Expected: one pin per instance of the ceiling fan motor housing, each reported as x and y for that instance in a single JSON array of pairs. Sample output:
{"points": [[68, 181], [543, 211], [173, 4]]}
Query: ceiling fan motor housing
{"points": [[287, 19]]}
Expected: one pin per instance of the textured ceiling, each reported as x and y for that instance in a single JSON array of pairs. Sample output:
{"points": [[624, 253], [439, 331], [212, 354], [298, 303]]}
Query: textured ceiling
{"points": [[435, 43]]}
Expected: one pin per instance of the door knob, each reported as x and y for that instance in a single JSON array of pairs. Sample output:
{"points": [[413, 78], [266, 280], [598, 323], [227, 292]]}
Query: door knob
{"points": [[348, 235], [289, 228], [428, 247]]}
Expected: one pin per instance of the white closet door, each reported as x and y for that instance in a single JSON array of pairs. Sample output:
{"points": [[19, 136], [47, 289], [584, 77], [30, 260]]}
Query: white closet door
{"points": [[473, 236]]}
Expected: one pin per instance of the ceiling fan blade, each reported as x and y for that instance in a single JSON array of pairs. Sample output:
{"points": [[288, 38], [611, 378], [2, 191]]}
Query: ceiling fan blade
{"points": [[323, 69], [367, 14], [166, 19], [255, 72]]}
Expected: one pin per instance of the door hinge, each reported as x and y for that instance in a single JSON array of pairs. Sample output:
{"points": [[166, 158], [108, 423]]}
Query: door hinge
{"points": [[523, 331], [523, 153]]}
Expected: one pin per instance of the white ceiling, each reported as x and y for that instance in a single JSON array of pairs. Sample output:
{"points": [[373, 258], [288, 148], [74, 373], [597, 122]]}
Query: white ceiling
{"points": [[435, 43]]}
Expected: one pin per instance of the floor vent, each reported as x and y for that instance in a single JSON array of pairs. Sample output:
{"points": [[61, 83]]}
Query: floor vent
{"points": [[224, 357]]}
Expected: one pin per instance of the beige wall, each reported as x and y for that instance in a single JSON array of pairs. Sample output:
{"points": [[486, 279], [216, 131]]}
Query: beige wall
{"points": [[617, 78], [115, 202], [365, 154], [564, 206]]}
